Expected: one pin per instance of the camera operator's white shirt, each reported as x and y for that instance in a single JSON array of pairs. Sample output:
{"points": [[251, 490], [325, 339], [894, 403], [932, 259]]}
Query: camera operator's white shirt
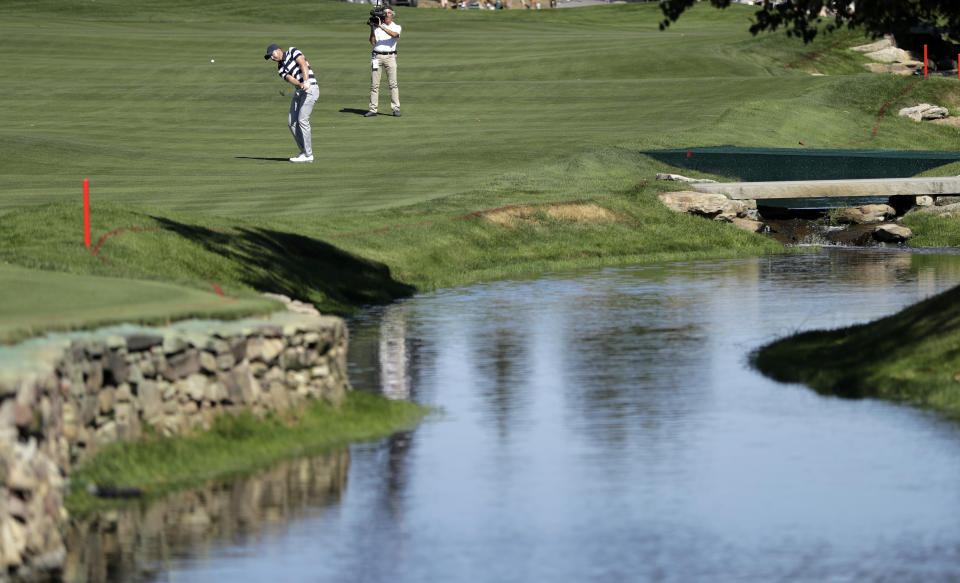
{"points": [[385, 42]]}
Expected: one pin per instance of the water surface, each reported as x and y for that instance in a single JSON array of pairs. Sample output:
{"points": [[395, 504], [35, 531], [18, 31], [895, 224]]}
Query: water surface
{"points": [[605, 426]]}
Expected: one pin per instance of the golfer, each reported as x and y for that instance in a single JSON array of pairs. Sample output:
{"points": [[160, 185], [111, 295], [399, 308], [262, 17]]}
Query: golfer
{"points": [[384, 37], [293, 67]]}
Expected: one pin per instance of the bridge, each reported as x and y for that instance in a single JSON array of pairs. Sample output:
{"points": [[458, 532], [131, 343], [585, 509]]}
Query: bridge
{"points": [[873, 187]]}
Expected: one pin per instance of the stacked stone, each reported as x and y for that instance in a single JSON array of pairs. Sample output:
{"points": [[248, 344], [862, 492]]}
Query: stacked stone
{"points": [[92, 391], [31, 498]]}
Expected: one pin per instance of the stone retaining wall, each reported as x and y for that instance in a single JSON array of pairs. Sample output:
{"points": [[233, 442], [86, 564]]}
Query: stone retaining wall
{"points": [[63, 397]]}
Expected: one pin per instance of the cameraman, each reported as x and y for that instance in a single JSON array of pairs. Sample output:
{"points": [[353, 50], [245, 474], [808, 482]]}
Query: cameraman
{"points": [[383, 36]]}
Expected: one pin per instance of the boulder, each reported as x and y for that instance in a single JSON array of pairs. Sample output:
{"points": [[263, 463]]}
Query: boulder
{"points": [[270, 349], [905, 69], [892, 233], [680, 178], [891, 54], [151, 400], [924, 111], [884, 43], [141, 342], [712, 206], [208, 362], [865, 215], [747, 224], [180, 365]]}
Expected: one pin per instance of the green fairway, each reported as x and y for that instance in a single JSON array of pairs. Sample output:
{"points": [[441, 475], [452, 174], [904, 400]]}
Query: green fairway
{"points": [[500, 108], [43, 300], [137, 107]]}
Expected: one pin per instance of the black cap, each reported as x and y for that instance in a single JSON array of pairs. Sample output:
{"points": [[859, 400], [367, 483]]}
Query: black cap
{"points": [[270, 50]]}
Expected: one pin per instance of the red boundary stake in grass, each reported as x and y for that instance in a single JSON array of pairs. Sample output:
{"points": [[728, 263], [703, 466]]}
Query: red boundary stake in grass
{"points": [[86, 212], [924, 60]]}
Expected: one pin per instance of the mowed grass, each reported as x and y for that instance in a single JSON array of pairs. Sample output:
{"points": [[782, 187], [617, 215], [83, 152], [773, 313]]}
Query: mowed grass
{"points": [[33, 302], [501, 108]]}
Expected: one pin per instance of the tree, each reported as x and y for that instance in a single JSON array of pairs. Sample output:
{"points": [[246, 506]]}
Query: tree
{"points": [[806, 18]]}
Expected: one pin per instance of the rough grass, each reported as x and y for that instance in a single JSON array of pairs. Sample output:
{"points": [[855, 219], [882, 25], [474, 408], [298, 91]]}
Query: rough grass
{"points": [[933, 229], [237, 445]]}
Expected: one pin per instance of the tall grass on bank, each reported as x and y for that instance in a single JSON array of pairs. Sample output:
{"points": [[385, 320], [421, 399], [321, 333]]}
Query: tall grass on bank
{"points": [[237, 445], [909, 357], [933, 229]]}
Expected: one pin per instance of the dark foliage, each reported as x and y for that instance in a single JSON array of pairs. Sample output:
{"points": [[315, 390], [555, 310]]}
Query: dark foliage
{"points": [[806, 18]]}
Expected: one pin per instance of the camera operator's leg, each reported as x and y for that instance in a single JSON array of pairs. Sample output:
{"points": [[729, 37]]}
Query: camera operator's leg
{"points": [[391, 65], [375, 88], [294, 116]]}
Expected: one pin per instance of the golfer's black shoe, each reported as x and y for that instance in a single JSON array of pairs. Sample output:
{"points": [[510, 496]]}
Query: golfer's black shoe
{"points": [[396, 113], [370, 114]]}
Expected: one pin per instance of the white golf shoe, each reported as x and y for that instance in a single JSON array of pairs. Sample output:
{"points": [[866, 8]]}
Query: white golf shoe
{"points": [[302, 158]]}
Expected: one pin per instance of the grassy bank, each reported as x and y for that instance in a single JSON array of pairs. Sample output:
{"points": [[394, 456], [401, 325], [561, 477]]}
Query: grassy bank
{"points": [[237, 445], [933, 229], [531, 109], [33, 302], [909, 357]]}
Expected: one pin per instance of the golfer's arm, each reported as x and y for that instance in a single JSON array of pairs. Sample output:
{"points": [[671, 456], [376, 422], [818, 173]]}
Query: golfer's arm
{"points": [[293, 80], [302, 61]]}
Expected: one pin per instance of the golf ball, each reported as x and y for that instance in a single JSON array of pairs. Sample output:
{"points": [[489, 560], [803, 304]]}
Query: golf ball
{"points": [[211, 60]]}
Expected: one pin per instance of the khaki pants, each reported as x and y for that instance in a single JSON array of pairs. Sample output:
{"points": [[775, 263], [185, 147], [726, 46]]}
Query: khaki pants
{"points": [[388, 62]]}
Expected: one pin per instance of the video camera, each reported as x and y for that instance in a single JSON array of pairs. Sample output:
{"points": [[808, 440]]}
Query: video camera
{"points": [[378, 14]]}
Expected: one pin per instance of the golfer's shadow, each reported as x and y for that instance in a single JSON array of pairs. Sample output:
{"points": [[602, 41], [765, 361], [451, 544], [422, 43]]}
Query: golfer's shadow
{"points": [[353, 110], [258, 158]]}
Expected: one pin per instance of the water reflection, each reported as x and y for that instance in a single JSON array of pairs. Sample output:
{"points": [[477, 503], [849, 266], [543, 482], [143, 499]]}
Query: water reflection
{"points": [[393, 354], [137, 543], [605, 426]]}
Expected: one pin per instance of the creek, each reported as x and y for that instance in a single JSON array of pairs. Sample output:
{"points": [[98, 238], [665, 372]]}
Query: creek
{"points": [[595, 426]]}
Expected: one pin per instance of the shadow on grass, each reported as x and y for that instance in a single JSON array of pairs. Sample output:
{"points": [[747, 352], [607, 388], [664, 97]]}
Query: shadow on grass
{"points": [[353, 110], [257, 158], [300, 267]]}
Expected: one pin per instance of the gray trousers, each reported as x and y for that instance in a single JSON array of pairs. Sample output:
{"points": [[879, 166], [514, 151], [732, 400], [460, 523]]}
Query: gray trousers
{"points": [[388, 62], [301, 106]]}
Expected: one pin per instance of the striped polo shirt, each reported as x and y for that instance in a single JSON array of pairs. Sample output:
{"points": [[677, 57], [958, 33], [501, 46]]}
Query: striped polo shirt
{"points": [[288, 66]]}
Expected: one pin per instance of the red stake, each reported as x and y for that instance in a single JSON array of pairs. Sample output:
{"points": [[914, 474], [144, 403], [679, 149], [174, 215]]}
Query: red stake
{"points": [[86, 212], [924, 60]]}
